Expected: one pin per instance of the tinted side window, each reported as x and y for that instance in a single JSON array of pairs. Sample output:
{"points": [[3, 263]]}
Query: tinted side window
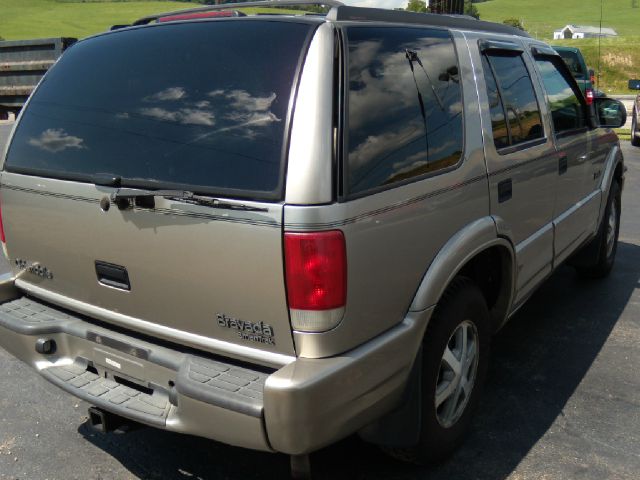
{"points": [[498, 122], [567, 110], [405, 105], [518, 98]]}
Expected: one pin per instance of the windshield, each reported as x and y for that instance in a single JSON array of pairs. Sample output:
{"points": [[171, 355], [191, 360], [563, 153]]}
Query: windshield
{"points": [[200, 106]]}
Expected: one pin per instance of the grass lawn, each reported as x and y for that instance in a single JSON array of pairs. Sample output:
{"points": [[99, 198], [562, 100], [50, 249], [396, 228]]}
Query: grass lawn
{"points": [[623, 133], [542, 17], [20, 19], [619, 61]]}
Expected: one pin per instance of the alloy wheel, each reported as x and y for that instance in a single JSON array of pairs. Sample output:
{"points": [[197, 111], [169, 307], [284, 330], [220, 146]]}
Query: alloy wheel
{"points": [[457, 374]]}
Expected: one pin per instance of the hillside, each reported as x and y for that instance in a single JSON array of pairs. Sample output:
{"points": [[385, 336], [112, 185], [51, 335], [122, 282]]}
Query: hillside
{"points": [[542, 17], [79, 18], [21, 19], [620, 60], [620, 57]]}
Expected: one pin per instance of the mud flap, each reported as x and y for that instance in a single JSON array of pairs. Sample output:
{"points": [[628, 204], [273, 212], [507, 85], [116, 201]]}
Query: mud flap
{"points": [[400, 427]]}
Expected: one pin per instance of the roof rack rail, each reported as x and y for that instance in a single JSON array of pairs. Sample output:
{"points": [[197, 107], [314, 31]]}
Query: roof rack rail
{"points": [[227, 6], [463, 22], [342, 12]]}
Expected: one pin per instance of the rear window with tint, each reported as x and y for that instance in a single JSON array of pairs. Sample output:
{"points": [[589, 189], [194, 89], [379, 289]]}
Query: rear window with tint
{"points": [[201, 106]]}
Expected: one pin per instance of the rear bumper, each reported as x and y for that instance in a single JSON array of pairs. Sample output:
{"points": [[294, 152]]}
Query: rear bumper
{"points": [[301, 407]]}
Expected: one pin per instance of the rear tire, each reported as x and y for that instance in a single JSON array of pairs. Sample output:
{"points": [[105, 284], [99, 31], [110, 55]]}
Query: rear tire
{"points": [[454, 367], [607, 239]]}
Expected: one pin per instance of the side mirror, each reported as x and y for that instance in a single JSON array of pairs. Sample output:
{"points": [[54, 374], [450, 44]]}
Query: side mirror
{"points": [[634, 84], [610, 113]]}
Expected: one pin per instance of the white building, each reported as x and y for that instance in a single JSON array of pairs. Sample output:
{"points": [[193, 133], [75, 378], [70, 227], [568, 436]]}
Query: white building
{"points": [[582, 31]]}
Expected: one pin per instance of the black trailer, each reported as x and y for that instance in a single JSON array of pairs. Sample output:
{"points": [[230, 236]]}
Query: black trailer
{"points": [[22, 65]]}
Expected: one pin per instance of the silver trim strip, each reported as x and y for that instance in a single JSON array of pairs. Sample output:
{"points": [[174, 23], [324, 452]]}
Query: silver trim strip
{"points": [[560, 255], [533, 238], [239, 352], [6, 277], [573, 209]]}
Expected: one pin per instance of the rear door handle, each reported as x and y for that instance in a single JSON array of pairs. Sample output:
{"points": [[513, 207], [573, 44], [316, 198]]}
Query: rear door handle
{"points": [[562, 165], [112, 275], [505, 190]]}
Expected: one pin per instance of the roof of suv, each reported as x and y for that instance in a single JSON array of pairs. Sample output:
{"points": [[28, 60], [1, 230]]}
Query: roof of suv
{"points": [[462, 22]]}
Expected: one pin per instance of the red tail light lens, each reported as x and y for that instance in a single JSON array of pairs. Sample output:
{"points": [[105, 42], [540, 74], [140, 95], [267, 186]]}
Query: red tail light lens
{"points": [[589, 96], [316, 270]]}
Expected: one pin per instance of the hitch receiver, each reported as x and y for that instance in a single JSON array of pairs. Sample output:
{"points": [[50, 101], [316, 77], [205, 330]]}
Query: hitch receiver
{"points": [[105, 422]]}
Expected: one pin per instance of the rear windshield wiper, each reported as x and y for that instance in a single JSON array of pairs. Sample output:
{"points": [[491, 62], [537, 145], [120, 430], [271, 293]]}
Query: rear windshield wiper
{"points": [[123, 197]]}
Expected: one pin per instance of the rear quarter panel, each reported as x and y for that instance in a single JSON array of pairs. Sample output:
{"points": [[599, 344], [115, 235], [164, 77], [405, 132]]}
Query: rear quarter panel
{"points": [[393, 236]]}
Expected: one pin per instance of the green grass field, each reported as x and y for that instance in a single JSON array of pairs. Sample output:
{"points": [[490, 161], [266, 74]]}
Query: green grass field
{"points": [[542, 17], [20, 19], [623, 133], [620, 59], [48, 18]]}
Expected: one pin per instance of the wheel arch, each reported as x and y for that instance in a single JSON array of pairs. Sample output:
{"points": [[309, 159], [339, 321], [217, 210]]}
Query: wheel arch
{"points": [[614, 169], [467, 253], [477, 252], [618, 173]]}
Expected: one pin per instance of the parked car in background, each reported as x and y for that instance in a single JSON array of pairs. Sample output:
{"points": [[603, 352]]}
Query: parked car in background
{"points": [[572, 56], [635, 114], [279, 231]]}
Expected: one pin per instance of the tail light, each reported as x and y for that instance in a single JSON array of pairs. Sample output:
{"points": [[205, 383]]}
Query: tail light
{"points": [[316, 276], [588, 94]]}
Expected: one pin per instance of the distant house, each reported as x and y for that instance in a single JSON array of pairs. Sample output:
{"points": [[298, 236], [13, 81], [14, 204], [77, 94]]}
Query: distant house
{"points": [[582, 31]]}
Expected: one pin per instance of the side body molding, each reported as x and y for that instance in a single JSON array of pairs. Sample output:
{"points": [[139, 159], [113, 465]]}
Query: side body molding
{"points": [[462, 247]]}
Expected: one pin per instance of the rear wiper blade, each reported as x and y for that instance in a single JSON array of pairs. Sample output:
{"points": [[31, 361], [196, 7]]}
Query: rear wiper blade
{"points": [[126, 194], [133, 193]]}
